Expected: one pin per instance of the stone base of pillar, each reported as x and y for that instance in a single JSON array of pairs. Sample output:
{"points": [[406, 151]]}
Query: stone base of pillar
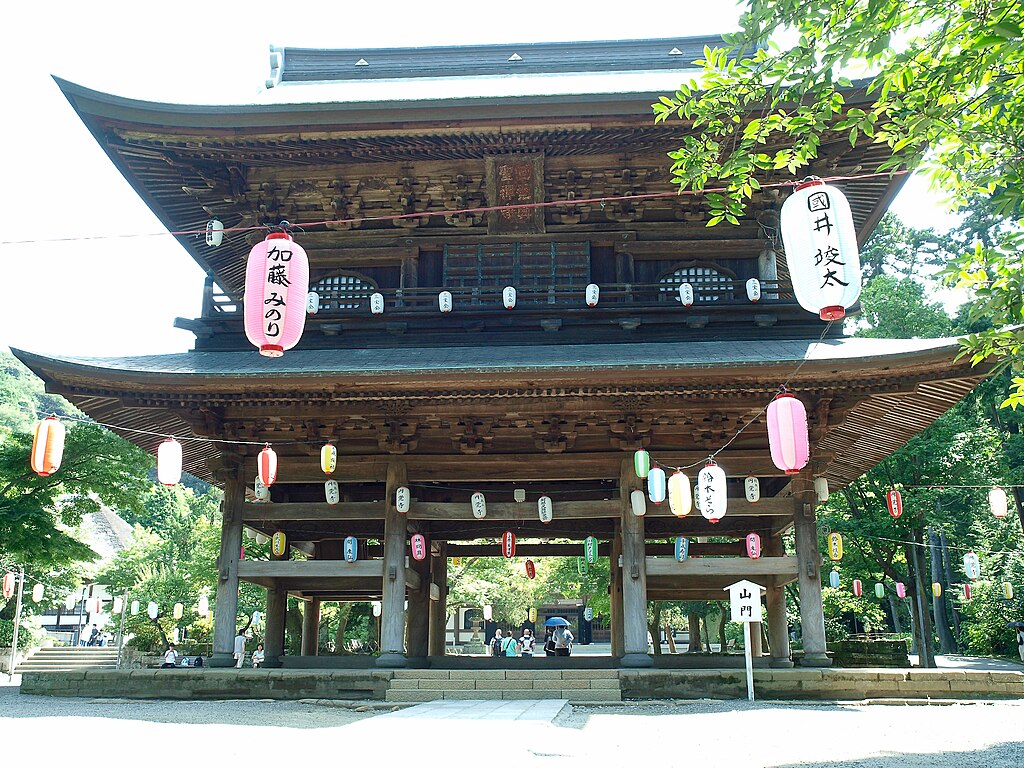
{"points": [[222, 660], [417, 662], [815, 660], [271, 662], [392, 660], [636, 660], [780, 664]]}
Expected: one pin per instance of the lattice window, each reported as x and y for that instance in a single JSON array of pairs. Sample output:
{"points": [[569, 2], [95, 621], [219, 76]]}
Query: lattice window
{"points": [[709, 284], [344, 291], [525, 266]]}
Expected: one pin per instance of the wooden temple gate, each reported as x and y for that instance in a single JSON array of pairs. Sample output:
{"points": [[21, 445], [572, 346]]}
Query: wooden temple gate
{"points": [[552, 396]]}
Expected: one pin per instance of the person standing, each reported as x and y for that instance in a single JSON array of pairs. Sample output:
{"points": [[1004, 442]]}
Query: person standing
{"points": [[549, 643], [527, 643], [510, 646], [1020, 642], [239, 649], [496, 643], [563, 641]]}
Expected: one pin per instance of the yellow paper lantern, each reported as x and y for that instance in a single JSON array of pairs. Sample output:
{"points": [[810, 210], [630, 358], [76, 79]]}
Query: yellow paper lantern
{"points": [[279, 544]]}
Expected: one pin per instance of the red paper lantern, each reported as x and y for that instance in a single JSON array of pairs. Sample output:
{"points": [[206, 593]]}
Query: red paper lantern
{"points": [[894, 501], [47, 446], [531, 569], [967, 591], [787, 433], [276, 284], [168, 462], [508, 544], [418, 543], [858, 588], [266, 466], [8, 587], [753, 546]]}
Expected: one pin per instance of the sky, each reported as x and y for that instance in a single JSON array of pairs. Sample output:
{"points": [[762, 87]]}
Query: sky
{"points": [[97, 295]]}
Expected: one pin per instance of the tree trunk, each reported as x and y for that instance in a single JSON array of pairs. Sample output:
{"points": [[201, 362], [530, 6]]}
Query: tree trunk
{"points": [[671, 640], [947, 643], [694, 621], [894, 612], [1018, 498], [707, 634], [925, 648], [947, 568], [723, 619], [655, 627], [344, 611]]}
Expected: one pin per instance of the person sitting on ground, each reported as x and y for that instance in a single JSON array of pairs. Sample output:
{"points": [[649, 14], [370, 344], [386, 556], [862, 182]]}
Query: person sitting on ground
{"points": [[258, 657], [170, 657], [526, 643], [496, 643], [510, 646]]}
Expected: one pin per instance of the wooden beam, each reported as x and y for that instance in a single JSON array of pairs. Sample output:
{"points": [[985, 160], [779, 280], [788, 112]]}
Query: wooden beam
{"points": [[740, 567], [412, 579], [697, 549], [310, 569]]}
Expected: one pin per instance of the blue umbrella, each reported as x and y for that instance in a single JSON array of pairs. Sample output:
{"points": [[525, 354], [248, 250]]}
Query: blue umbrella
{"points": [[556, 621]]}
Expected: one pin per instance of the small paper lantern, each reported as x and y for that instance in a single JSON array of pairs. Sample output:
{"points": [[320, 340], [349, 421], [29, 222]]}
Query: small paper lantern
{"points": [[590, 549], [519, 494], [997, 502], [179, 610], [531, 569], [488, 613], [262, 538], [257, 617], [214, 232], [403, 498], [37, 593], [711, 490], [135, 608], [261, 491], [879, 590], [638, 503], [901, 590], [276, 284], [894, 502], [332, 492], [835, 546], [328, 458], [972, 566], [753, 546], [508, 545], [478, 504], [1007, 590], [752, 489], [279, 544], [203, 607], [821, 489], [8, 585], [936, 589], [544, 509], [858, 588], [456, 561], [754, 290], [241, 553], [266, 466], [70, 601], [642, 463], [680, 500], [686, 294], [508, 297], [351, 549], [418, 544], [787, 433], [95, 605], [656, 485], [152, 610], [682, 548], [582, 566], [967, 591], [168, 462], [175, 635], [312, 303], [118, 606], [444, 301], [376, 608], [593, 294], [533, 615], [47, 446], [377, 303], [588, 614], [833, 579], [821, 249]]}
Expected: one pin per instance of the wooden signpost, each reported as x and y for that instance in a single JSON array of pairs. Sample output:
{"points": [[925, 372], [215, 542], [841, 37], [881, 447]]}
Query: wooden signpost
{"points": [[745, 602]]}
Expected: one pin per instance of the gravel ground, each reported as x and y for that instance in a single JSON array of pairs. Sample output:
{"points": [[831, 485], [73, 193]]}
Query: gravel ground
{"points": [[722, 733]]}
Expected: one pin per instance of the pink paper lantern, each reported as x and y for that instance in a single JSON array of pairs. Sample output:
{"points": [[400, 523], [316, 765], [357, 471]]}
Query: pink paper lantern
{"points": [[787, 433], [901, 589], [753, 546], [266, 466], [418, 543], [276, 284]]}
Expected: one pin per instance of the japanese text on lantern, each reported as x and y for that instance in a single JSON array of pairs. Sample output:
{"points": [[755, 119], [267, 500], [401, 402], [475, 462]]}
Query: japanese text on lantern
{"points": [[275, 290], [825, 240]]}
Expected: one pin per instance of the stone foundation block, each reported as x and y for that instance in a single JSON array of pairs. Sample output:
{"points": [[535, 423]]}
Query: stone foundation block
{"points": [[504, 685], [593, 695], [431, 674], [548, 685], [404, 685], [531, 674], [445, 685], [413, 695], [590, 674], [603, 683], [534, 694], [478, 674], [472, 695]]}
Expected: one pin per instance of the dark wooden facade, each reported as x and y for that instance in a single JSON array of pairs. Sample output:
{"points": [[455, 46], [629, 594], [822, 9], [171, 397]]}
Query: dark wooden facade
{"points": [[552, 396]]}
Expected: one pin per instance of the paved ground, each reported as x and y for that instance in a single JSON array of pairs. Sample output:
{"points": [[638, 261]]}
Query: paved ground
{"points": [[668, 734]]}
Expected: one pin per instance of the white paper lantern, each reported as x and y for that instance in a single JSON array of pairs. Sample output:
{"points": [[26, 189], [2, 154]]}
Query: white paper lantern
{"points": [[332, 492], [519, 494], [488, 613], [403, 497], [312, 303], [754, 290], [638, 502], [70, 601], [752, 489], [680, 497], [997, 502], [203, 608], [176, 635], [972, 566], [712, 493], [376, 608], [508, 297], [821, 249], [377, 303], [544, 509], [686, 294], [214, 232], [593, 294], [135, 607], [656, 483], [478, 503], [168, 462], [152, 610], [179, 611], [118, 606], [261, 491], [37, 593], [821, 489], [256, 617], [444, 301]]}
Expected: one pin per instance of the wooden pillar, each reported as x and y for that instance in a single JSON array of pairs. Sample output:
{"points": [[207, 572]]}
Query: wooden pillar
{"points": [[226, 607], [438, 630], [418, 615], [775, 601], [392, 628], [634, 576], [615, 593], [277, 607], [812, 614], [311, 627]]}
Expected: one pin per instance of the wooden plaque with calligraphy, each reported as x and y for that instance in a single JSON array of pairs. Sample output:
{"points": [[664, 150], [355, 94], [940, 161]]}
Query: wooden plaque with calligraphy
{"points": [[515, 180]]}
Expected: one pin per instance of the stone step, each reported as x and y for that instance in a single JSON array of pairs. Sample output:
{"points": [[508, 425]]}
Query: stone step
{"points": [[604, 695], [28, 667]]}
